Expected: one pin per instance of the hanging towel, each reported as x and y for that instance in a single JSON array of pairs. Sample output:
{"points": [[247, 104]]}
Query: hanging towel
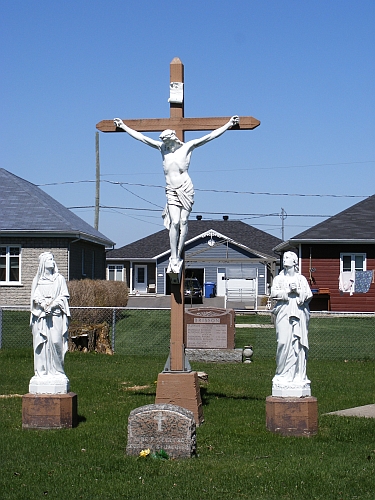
{"points": [[347, 282], [363, 280]]}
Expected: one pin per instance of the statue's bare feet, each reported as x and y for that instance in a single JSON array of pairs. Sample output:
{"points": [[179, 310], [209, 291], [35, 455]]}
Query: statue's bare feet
{"points": [[175, 265]]}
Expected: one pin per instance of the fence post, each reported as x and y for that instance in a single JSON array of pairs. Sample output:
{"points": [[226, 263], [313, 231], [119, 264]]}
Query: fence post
{"points": [[1, 327], [113, 329]]}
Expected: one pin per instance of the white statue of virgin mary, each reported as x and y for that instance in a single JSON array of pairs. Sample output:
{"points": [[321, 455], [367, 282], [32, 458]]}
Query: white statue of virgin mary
{"points": [[49, 323]]}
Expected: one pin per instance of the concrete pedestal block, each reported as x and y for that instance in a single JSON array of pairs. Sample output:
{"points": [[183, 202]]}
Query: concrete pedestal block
{"points": [[181, 389], [49, 411], [292, 416]]}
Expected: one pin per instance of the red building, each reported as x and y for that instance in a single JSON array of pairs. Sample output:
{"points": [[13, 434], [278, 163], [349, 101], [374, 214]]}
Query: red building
{"points": [[341, 246]]}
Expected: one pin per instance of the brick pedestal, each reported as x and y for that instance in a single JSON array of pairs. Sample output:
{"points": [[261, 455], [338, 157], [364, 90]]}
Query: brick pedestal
{"points": [[49, 411], [292, 416], [181, 389]]}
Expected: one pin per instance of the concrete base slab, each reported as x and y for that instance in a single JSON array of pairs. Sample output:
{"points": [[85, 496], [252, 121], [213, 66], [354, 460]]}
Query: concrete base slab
{"points": [[367, 411], [49, 411], [292, 416], [215, 355], [181, 389]]}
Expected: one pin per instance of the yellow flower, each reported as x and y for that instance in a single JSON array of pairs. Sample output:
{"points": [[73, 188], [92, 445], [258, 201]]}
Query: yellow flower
{"points": [[145, 453]]}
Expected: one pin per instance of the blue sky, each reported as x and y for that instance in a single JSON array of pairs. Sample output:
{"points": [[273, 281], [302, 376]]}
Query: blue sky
{"points": [[305, 69]]}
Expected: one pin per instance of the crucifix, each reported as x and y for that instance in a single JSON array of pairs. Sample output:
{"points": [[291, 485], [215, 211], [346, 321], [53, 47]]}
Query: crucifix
{"points": [[176, 159]]}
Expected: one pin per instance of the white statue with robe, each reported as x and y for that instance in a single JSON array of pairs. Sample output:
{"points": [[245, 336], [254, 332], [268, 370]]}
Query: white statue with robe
{"points": [[49, 323], [179, 189], [292, 293]]}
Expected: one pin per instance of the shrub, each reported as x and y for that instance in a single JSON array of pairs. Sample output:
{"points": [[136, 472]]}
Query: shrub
{"points": [[96, 293]]}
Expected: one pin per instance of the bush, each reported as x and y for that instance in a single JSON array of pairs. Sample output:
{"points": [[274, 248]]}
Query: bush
{"points": [[96, 293]]}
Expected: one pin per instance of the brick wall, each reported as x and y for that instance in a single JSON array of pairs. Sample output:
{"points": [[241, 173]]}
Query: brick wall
{"points": [[31, 248]]}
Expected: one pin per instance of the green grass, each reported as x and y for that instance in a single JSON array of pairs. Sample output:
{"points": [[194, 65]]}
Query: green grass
{"points": [[238, 457], [143, 332]]}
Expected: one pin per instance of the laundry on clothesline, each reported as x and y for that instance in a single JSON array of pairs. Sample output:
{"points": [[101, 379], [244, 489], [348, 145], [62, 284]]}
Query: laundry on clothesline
{"points": [[347, 282]]}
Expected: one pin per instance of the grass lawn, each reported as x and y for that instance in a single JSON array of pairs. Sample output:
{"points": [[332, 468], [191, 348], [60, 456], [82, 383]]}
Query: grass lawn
{"points": [[237, 456]]}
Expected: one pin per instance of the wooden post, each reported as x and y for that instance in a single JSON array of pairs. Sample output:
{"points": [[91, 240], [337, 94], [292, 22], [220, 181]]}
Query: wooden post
{"points": [[177, 355], [177, 110], [177, 360], [97, 185]]}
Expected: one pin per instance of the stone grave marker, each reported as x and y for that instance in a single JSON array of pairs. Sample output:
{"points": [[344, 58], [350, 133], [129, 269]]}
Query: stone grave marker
{"points": [[209, 328], [162, 427], [210, 335]]}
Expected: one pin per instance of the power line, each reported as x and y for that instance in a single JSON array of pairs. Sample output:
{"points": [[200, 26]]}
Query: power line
{"points": [[269, 168], [221, 191], [236, 214]]}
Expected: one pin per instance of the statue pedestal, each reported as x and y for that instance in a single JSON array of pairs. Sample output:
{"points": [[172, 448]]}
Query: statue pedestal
{"points": [[49, 384], [49, 411], [291, 390], [181, 389], [292, 416]]}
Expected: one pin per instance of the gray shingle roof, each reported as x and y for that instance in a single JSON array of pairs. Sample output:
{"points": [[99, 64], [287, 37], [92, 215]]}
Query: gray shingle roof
{"points": [[25, 207], [355, 223], [158, 243]]}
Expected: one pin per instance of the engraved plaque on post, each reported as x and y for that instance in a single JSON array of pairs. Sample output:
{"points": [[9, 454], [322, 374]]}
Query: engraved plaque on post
{"points": [[209, 328]]}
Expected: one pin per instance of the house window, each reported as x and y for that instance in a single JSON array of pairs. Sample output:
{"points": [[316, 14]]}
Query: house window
{"points": [[10, 264], [115, 272], [352, 262]]}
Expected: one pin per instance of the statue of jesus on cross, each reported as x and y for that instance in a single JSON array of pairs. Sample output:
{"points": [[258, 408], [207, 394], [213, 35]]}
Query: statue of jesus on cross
{"points": [[179, 187]]}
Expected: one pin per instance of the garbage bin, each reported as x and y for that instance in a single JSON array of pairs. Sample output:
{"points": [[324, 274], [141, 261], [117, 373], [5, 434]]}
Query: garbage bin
{"points": [[209, 290]]}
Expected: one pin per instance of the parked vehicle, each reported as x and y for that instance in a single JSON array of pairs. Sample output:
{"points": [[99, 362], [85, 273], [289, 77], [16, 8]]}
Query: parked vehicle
{"points": [[193, 289]]}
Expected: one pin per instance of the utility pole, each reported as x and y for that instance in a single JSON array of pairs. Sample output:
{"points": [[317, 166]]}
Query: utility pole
{"points": [[97, 185], [283, 216]]}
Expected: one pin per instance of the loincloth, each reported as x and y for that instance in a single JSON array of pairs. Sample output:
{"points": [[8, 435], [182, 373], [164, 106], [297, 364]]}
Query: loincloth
{"points": [[182, 196]]}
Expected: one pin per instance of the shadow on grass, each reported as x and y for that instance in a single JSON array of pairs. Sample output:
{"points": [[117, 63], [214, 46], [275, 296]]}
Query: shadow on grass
{"points": [[81, 419], [207, 397]]}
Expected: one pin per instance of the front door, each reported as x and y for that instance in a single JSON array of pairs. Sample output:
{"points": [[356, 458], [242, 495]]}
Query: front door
{"points": [[221, 282], [140, 278]]}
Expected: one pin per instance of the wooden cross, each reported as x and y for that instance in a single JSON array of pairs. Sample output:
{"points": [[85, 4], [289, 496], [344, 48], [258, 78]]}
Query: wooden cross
{"points": [[177, 120], [180, 124]]}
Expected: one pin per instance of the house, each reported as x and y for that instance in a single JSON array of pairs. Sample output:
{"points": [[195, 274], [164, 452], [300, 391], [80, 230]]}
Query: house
{"points": [[342, 246], [32, 222], [235, 257]]}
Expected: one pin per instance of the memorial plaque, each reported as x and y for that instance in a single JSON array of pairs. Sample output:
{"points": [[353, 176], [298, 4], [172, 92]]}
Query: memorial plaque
{"points": [[209, 328], [162, 427]]}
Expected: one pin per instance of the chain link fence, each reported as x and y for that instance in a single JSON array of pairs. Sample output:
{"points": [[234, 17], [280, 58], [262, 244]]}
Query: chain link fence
{"points": [[133, 331], [334, 336]]}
